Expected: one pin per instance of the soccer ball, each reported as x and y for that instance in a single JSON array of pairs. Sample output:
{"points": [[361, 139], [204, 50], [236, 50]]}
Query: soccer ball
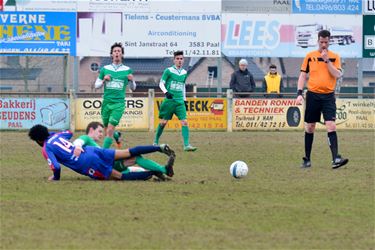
{"points": [[238, 169]]}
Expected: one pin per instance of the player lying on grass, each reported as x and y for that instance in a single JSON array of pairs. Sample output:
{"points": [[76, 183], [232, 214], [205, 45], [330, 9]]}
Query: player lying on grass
{"points": [[129, 167], [97, 163]]}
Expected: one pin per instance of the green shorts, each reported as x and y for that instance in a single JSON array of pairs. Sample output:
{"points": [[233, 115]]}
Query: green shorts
{"points": [[119, 166], [112, 113], [122, 165], [170, 107]]}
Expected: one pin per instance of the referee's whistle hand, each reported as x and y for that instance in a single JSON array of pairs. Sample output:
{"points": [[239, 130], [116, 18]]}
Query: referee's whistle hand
{"points": [[324, 54]]}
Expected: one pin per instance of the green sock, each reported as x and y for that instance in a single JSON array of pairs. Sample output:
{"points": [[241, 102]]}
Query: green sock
{"points": [[125, 171], [149, 164], [185, 135], [107, 142], [158, 133]]}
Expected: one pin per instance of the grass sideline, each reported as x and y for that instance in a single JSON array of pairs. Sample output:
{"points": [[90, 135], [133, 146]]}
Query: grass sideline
{"points": [[277, 206]]}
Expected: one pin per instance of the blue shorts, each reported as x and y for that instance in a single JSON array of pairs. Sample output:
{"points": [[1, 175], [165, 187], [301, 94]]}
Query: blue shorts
{"points": [[99, 162]]}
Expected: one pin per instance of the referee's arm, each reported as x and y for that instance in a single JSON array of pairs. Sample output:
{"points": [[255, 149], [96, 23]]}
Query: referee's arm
{"points": [[301, 80], [333, 70], [300, 86]]}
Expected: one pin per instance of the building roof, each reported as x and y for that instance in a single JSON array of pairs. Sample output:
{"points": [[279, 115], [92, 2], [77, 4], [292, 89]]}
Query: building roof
{"points": [[350, 67], [293, 65], [148, 65], [252, 67], [157, 65], [15, 74], [369, 65]]}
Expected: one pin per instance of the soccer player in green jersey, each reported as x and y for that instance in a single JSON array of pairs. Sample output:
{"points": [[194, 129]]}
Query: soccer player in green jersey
{"points": [[94, 133], [172, 84], [115, 77]]}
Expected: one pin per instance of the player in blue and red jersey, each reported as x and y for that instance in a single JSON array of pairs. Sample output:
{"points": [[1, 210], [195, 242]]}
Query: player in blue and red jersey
{"points": [[94, 162]]}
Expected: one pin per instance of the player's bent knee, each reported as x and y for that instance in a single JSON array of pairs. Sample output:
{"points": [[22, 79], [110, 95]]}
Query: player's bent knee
{"points": [[310, 127], [331, 126], [163, 123], [122, 154], [110, 130], [129, 162], [184, 123]]}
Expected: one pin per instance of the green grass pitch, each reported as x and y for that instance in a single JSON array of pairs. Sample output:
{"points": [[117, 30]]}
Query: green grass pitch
{"points": [[277, 206]]}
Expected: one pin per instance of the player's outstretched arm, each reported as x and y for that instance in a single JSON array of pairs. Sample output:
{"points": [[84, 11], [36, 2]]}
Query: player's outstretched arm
{"points": [[54, 166]]}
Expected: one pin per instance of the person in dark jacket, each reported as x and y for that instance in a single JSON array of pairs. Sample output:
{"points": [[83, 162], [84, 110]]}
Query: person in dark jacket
{"points": [[242, 80]]}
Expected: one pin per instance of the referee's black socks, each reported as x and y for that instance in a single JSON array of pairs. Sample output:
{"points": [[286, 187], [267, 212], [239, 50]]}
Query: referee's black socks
{"points": [[332, 142], [309, 138]]}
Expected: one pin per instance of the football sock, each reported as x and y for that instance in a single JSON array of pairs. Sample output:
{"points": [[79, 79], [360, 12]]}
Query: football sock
{"points": [[332, 142], [132, 176], [309, 138], [107, 142], [143, 150], [185, 135], [149, 164], [116, 136], [158, 133]]}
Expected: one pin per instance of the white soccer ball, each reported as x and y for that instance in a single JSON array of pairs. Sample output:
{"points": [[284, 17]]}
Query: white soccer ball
{"points": [[238, 169]]}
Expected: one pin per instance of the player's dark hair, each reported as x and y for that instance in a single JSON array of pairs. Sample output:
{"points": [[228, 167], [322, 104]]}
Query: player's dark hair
{"points": [[93, 125], [273, 66], [39, 133], [324, 34], [117, 45], [178, 53]]}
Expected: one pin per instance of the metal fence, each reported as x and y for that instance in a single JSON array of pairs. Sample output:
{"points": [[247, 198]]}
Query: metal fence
{"points": [[42, 74], [58, 74]]}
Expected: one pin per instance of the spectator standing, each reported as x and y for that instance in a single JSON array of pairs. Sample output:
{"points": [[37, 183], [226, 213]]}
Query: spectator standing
{"points": [[242, 81], [273, 83]]}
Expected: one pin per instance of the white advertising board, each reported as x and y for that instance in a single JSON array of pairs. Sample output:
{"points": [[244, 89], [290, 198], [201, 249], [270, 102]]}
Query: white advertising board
{"points": [[173, 6], [278, 35], [144, 34], [46, 5]]}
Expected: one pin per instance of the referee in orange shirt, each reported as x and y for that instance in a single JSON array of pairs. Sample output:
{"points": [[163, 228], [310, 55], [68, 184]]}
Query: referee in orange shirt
{"points": [[323, 67]]}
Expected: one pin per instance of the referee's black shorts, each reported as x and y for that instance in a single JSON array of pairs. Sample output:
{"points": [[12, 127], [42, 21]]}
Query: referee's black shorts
{"points": [[317, 104]]}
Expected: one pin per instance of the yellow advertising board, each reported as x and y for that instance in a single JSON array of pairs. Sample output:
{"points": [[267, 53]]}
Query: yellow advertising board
{"points": [[354, 114], [266, 114], [135, 115], [202, 114]]}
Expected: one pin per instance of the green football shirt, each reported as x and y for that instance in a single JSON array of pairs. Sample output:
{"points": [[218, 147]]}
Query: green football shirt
{"points": [[174, 81], [114, 90], [86, 140]]}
